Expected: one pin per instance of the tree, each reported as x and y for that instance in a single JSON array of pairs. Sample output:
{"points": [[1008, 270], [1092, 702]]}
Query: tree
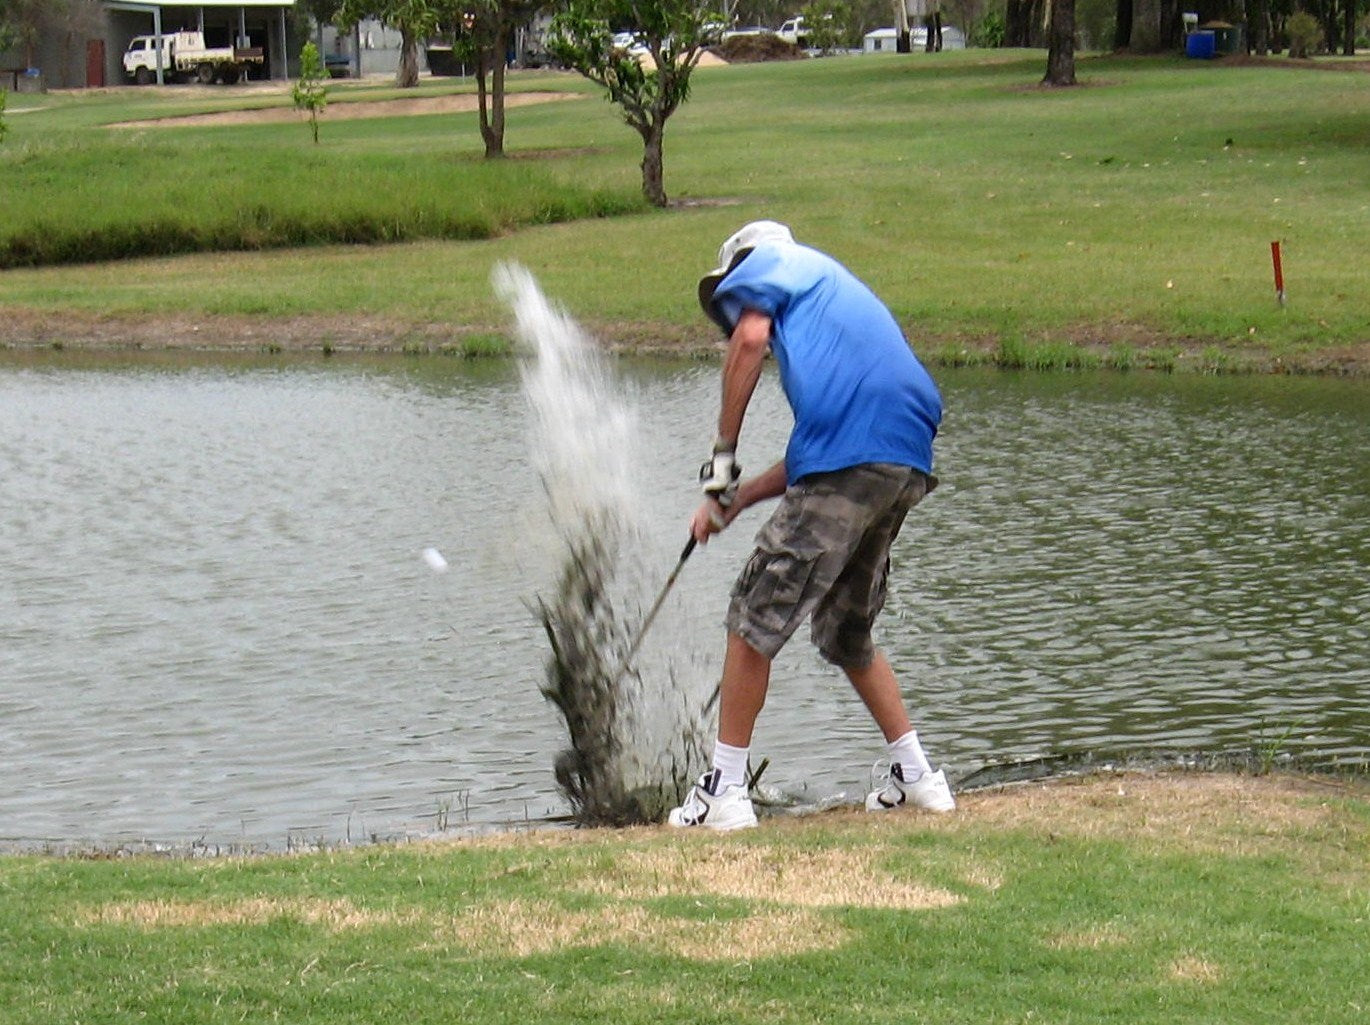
{"points": [[483, 31], [830, 24], [415, 20], [309, 93], [21, 23], [650, 84], [1061, 44]]}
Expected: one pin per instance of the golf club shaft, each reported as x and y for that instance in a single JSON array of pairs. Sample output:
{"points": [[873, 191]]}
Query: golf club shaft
{"points": [[656, 607]]}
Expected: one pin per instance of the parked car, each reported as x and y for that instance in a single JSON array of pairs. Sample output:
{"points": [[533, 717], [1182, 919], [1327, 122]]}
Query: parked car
{"points": [[628, 42], [338, 65]]}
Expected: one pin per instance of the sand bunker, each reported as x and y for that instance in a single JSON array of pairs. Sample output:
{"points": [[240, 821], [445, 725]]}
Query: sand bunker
{"points": [[345, 111]]}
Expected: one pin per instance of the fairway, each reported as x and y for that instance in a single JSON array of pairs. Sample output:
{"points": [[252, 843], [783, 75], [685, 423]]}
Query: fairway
{"points": [[1131, 217]]}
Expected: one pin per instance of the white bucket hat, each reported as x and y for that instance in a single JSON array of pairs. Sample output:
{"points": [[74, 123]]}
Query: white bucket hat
{"points": [[738, 245]]}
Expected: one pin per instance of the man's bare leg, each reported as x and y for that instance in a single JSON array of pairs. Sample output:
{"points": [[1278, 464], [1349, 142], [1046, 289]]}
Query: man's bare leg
{"points": [[742, 692], [879, 689]]}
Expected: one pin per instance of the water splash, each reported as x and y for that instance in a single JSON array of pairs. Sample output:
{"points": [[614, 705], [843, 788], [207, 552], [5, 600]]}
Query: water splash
{"points": [[636, 739]]}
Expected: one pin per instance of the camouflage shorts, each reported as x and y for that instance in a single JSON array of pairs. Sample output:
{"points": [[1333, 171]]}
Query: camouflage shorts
{"points": [[824, 556]]}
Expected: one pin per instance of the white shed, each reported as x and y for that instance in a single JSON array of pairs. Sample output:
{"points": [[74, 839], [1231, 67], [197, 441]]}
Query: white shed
{"points": [[880, 40], [886, 40]]}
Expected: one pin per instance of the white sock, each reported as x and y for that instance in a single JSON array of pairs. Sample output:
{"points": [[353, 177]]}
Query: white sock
{"points": [[908, 752], [731, 762]]}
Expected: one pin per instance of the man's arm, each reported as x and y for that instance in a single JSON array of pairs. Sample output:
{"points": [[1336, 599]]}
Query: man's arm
{"points": [[747, 347]]}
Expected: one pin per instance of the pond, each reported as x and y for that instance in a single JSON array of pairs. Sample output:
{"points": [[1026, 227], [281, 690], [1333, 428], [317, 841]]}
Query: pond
{"points": [[218, 627]]}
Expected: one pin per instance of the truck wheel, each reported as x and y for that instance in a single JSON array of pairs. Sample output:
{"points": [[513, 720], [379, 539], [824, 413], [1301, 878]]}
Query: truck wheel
{"points": [[143, 76], [204, 74]]}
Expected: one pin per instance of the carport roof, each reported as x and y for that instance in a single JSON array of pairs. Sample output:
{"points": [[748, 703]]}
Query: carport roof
{"points": [[149, 4]]}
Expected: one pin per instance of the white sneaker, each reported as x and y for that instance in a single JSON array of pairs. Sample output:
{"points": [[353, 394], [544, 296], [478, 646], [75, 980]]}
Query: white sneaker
{"points": [[703, 806], [928, 791]]}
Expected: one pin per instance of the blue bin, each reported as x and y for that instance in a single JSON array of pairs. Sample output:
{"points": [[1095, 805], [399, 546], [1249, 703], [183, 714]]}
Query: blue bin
{"points": [[1203, 44]]}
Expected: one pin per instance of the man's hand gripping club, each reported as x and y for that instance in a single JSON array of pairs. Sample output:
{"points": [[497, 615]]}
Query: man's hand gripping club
{"points": [[718, 479]]}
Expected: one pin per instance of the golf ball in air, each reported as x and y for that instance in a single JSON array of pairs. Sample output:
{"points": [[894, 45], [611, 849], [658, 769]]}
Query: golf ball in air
{"points": [[435, 560]]}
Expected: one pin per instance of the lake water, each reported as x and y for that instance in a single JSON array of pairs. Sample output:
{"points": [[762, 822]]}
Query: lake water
{"points": [[215, 623]]}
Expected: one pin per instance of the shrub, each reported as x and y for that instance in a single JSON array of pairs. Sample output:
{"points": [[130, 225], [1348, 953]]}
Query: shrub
{"points": [[1305, 34]]}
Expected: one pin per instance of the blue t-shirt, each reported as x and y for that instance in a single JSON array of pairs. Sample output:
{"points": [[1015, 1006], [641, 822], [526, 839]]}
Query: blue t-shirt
{"points": [[858, 393]]}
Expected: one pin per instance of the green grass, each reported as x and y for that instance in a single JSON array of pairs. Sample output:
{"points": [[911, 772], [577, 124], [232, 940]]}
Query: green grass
{"points": [[1123, 900], [1129, 218]]}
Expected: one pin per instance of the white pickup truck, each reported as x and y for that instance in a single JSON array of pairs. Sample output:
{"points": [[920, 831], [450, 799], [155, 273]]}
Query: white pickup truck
{"points": [[794, 31], [184, 55]]}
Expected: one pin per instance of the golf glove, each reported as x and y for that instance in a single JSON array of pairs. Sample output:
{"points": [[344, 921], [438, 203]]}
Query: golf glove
{"points": [[718, 477]]}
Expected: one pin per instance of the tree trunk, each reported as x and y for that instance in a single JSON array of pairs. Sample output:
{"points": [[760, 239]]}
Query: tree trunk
{"points": [[652, 166], [1061, 45], [1122, 25], [1258, 22], [1146, 26], [1018, 23], [1348, 47], [482, 96], [1331, 27], [492, 118], [407, 74], [1172, 25]]}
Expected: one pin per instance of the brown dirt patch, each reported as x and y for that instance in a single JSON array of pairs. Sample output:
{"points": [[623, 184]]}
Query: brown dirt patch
{"points": [[1324, 63], [349, 111], [363, 333]]}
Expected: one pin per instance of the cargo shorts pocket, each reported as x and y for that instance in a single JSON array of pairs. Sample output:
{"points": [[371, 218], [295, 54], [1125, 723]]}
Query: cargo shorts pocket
{"points": [[770, 599]]}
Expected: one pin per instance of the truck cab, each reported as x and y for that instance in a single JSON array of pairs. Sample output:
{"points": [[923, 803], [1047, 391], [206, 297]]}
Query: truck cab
{"points": [[141, 59], [794, 31]]}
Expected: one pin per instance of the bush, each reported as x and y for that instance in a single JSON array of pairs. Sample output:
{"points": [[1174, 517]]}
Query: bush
{"points": [[1305, 34], [989, 32]]}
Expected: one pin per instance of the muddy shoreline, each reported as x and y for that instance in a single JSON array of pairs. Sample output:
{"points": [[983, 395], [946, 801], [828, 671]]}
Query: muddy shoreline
{"points": [[374, 334]]}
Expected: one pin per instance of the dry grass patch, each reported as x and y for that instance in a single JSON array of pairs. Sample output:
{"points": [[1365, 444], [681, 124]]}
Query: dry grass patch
{"points": [[1197, 813], [526, 927], [1193, 968], [845, 877], [345, 110], [333, 915]]}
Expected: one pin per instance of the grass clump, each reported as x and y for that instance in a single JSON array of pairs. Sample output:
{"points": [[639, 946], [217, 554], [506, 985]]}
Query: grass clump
{"points": [[229, 198]]}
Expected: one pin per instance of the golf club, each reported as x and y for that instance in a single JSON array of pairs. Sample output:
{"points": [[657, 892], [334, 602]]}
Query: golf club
{"points": [[651, 613]]}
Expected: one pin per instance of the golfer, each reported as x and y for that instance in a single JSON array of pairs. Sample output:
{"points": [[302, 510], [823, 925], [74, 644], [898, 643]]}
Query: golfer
{"points": [[858, 458]]}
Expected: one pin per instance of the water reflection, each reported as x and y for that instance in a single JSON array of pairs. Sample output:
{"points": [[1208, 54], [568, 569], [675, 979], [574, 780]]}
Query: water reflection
{"points": [[216, 622]]}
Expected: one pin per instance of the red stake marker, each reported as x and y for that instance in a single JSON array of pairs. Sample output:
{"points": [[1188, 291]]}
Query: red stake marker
{"points": [[1279, 271]]}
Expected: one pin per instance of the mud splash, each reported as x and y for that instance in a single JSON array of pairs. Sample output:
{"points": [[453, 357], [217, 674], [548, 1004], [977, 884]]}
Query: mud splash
{"points": [[636, 737]]}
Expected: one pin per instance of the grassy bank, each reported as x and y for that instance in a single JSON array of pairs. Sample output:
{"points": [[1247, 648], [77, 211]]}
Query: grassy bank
{"points": [[1121, 899], [1129, 219]]}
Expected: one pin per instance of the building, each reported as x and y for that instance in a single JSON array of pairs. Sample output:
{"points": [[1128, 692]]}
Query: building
{"points": [[83, 47], [886, 40]]}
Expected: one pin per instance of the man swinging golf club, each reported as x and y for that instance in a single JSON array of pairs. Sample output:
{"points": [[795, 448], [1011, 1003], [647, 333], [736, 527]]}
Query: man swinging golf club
{"points": [[859, 457]]}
